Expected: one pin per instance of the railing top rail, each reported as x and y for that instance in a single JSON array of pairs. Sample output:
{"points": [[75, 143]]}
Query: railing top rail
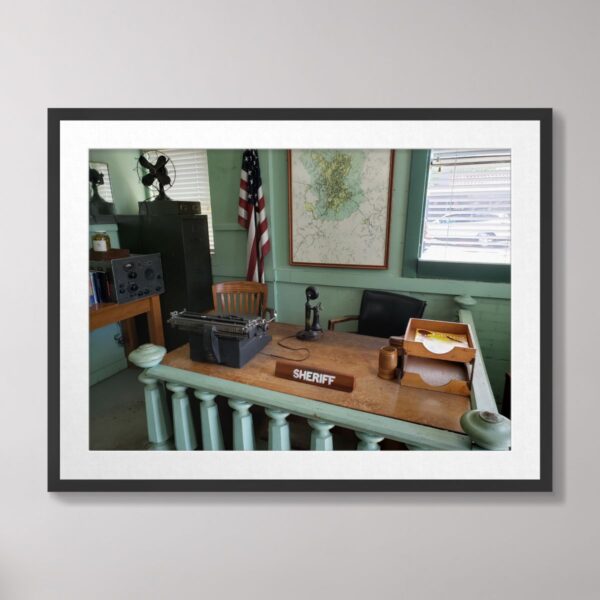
{"points": [[482, 396]]}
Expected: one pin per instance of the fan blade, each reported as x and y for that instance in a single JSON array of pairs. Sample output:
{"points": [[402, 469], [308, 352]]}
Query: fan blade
{"points": [[148, 179], [163, 178], [145, 162], [161, 161]]}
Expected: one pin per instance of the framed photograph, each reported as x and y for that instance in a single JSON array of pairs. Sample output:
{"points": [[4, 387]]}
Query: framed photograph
{"points": [[198, 321], [340, 205]]}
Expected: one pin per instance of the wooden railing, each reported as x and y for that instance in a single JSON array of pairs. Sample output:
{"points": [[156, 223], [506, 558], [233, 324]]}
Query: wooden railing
{"points": [[484, 428]]}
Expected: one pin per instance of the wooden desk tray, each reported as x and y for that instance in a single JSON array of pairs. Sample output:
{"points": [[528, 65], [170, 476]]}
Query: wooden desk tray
{"points": [[437, 375], [456, 354]]}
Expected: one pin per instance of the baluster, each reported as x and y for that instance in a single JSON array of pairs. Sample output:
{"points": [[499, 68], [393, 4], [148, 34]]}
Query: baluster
{"points": [[279, 429], [158, 420], [243, 428], [320, 437], [212, 436], [368, 441], [185, 436]]}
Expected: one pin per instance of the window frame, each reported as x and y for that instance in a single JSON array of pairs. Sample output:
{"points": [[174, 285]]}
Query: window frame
{"points": [[412, 266], [208, 214]]}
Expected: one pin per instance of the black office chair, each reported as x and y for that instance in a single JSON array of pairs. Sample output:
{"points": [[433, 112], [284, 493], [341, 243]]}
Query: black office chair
{"points": [[383, 314]]}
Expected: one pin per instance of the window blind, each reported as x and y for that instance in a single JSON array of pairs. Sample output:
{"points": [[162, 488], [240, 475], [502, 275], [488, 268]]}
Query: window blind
{"points": [[191, 181], [104, 190], [467, 206]]}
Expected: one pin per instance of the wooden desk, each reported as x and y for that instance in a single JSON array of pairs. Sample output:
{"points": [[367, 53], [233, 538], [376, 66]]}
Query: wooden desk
{"points": [[106, 313], [346, 353]]}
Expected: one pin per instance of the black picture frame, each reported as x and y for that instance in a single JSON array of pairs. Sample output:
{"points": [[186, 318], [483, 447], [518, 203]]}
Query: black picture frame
{"points": [[58, 115]]}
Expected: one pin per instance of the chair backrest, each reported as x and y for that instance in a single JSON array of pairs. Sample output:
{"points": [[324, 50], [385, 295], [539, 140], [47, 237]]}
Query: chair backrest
{"points": [[240, 297], [383, 314]]}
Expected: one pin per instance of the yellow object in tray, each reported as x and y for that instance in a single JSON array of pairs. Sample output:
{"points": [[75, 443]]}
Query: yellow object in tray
{"points": [[440, 342]]}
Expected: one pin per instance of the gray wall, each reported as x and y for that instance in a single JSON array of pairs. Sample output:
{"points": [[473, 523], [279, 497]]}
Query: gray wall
{"points": [[434, 53]]}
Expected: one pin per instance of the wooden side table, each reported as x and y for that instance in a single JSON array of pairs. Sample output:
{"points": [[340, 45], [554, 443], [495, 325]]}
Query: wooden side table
{"points": [[110, 312]]}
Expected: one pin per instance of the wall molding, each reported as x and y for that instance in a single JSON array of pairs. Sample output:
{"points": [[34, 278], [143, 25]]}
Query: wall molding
{"points": [[229, 226], [387, 282], [393, 283]]}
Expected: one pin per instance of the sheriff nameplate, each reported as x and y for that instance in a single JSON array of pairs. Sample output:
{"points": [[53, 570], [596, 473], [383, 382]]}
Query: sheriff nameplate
{"points": [[315, 376]]}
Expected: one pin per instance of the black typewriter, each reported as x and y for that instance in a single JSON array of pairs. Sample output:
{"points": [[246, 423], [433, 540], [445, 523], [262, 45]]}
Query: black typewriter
{"points": [[226, 339]]}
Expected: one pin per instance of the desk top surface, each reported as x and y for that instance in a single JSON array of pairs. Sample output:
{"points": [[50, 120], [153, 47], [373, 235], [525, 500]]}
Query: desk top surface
{"points": [[349, 353]]}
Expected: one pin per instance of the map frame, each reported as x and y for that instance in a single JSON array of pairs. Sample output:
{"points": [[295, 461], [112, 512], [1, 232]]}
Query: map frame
{"points": [[386, 203]]}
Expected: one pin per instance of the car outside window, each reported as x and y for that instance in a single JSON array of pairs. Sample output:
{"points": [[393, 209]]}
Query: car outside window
{"points": [[467, 207]]}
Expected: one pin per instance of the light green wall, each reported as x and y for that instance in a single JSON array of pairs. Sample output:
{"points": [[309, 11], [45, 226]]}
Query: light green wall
{"points": [[229, 258], [341, 289], [107, 356], [126, 187]]}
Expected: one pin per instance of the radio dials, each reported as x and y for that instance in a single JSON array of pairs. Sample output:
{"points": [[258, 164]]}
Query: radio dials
{"points": [[131, 278]]}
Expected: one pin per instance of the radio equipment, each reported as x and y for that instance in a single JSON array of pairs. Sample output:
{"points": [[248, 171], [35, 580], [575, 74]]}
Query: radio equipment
{"points": [[130, 278], [227, 339]]}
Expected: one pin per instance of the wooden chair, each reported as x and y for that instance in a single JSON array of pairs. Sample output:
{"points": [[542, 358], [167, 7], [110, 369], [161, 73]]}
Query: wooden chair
{"points": [[241, 297]]}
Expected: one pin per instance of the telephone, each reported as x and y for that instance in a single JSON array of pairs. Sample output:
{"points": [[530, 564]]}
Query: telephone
{"points": [[312, 331]]}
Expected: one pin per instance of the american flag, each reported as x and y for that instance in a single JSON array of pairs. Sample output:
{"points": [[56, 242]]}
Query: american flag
{"points": [[252, 215]]}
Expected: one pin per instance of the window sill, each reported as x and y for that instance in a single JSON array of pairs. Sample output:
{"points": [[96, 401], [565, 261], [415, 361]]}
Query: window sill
{"points": [[483, 272]]}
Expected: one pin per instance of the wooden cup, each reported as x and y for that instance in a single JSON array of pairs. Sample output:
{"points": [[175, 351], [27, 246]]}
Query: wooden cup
{"points": [[388, 362]]}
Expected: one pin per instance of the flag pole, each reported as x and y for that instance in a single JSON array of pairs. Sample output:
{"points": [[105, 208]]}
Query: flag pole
{"points": [[256, 223], [257, 238]]}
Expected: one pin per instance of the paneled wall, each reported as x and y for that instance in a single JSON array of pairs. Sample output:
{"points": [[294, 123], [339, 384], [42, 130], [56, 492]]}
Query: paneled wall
{"points": [[341, 289]]}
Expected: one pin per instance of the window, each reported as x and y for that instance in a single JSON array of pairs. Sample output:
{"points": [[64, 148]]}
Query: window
{"points": [[458, 221], [191, 181], [104, 190]]}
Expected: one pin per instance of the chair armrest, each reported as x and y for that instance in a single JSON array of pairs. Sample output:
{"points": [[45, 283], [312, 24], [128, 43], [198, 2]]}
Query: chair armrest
{"points": [[271, 312], [333, 322]]}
